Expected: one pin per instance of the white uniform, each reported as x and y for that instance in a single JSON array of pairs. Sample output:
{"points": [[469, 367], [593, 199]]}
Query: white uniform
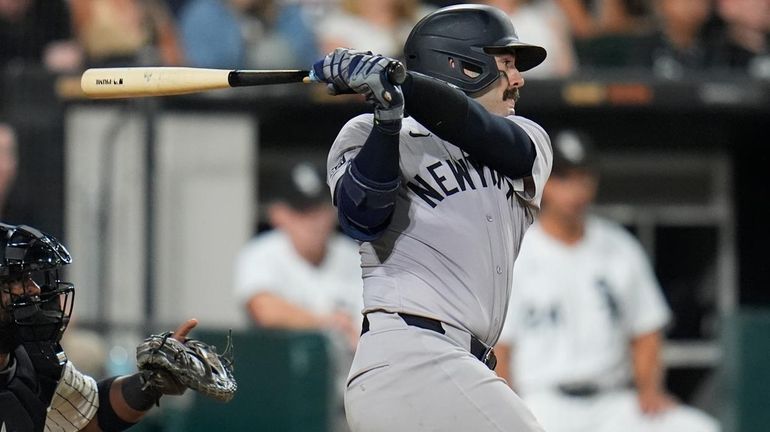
{"points": [[269, 263], [447, 254], [74, 403], [573, 311]]}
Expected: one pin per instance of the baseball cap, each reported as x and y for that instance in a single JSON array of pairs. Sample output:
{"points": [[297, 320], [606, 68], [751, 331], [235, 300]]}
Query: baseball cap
{"points": [[572, 149], [301, 184]]}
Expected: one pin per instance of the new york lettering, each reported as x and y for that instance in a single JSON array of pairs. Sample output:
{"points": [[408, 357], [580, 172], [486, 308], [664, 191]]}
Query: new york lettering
{"points": [[448, 177]]}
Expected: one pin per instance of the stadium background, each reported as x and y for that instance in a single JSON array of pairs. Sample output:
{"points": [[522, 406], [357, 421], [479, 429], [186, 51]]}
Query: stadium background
{"points": [[154, 197]]}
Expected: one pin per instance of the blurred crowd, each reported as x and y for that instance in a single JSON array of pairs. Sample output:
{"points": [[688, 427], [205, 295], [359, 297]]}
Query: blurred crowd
{"points": [[669, 38]]}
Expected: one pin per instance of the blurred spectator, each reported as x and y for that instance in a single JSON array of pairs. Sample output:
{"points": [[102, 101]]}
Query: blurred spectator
{"points": [[592, 18], [680, 43], [746, 41], [542, 22], [287, 38], [605, 31], [256, 34], [211, 33], [303, 275], [13, 208], [126, 32], [38, 32], [581, 343], [8, 164], [380, 26]]}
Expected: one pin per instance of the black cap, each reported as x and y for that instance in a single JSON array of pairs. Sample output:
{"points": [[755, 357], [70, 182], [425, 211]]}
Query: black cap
{"points": [[300, 184], [572, 149]]}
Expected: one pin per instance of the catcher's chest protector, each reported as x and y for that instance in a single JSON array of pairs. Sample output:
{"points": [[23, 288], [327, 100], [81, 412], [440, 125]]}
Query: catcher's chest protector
{"points": [[22, 409]]}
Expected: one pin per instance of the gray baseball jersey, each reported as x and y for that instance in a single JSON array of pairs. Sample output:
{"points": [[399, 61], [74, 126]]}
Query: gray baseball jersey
{"points": [[448, 253]]}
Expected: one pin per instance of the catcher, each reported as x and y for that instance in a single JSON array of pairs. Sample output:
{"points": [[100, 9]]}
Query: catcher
{"points": [[40, 390]]}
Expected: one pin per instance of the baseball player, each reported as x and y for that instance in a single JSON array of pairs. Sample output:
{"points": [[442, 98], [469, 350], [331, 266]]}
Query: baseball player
{"points": [[440, 201], [586, 315], [39, 389], [299, 275]]}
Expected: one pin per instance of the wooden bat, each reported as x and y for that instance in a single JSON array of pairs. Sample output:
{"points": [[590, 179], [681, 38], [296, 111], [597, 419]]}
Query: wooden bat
{"points": [[130, 82]]}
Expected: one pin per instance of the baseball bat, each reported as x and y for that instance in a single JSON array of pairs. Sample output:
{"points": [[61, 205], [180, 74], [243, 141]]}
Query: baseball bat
{"points": [[130, 82]]}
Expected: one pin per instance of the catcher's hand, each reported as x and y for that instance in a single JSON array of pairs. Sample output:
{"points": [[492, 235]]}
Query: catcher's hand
{"points": [[171, 363]]}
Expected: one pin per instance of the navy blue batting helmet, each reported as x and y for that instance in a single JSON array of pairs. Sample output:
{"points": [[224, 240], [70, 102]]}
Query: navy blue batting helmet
{"points": [[456, 44]]}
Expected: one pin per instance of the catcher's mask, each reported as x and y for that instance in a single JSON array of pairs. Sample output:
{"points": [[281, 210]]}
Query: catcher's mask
{"points": [[467, 36], [36, 305]]}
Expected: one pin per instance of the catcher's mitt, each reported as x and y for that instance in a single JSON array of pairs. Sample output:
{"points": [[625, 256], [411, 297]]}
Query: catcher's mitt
{"points": [[171, 366]]}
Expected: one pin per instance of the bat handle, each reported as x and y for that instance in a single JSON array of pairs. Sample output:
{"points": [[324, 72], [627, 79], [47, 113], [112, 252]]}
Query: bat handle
{"points": [[395, 71]]}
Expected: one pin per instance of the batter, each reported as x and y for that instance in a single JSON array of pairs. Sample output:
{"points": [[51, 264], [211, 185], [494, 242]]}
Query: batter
{"points": [[440, 201]]}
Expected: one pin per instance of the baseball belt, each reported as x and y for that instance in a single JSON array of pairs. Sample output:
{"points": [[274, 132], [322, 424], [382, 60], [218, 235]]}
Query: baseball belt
{"points": [[589, 389], [478, 349]]}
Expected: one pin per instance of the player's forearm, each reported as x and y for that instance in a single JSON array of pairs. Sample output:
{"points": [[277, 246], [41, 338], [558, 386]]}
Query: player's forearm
{"points": [[366, 194], [123, 401], [648, 372], [269, 310], [493, 140], [4, 360]]}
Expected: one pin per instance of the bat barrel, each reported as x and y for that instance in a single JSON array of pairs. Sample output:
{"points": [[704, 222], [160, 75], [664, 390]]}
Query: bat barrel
{"points": [[150, 81]]}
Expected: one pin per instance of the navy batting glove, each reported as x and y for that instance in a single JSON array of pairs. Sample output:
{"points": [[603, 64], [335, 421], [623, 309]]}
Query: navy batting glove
{"points": [[369, 77], [335, 69]]}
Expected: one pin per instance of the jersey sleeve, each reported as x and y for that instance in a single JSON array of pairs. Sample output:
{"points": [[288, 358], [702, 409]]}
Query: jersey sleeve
{"points": [[255, 270], [345, 147], [75, 401], [646, 307], [532, 191]]}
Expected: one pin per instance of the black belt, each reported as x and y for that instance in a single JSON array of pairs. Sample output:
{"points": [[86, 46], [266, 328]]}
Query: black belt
{"points": [[485, 354], [588, 389], [579, 390]]}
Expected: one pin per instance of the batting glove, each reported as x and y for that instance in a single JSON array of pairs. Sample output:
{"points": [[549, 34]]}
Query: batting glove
{"points": [[369, 77], [334, 69]]}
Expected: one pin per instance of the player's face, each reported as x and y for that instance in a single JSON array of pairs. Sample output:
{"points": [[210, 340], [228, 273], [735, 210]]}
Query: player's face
{"points": [[14, 287], [309, 229], [501, 98], [569, 194]]}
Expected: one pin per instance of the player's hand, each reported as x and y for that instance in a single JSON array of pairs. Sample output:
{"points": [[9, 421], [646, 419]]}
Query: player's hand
{"points": [[343, 324], [334, 69], [654, 402], [184, 329], [369, 77]]}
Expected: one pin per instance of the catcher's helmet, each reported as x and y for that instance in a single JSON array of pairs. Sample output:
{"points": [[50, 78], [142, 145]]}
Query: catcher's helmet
{"points": [[30, 256], [469, 35]]}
